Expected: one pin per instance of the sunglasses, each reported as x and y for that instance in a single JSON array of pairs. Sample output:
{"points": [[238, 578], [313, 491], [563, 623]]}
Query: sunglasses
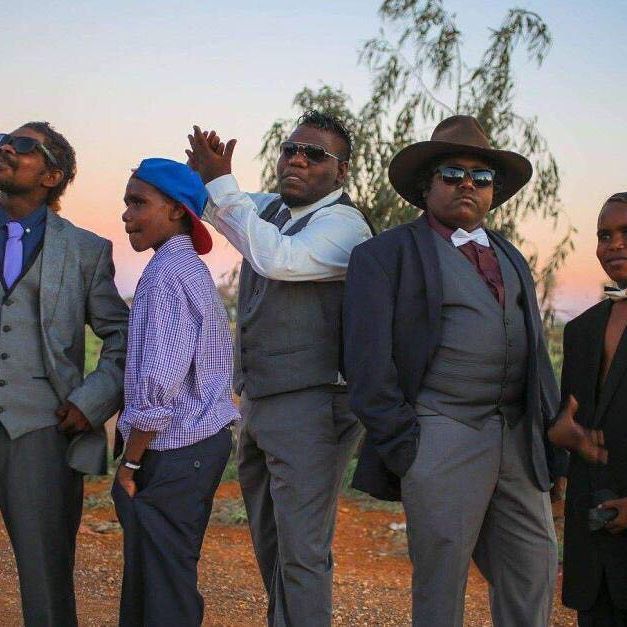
{"points": [[312, 152], [24, 145], [454, 175]]}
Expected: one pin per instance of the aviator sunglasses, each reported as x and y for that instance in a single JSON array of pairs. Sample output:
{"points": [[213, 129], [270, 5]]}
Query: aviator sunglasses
{"points": [[24, 145], [454, 175], [312, 152]]}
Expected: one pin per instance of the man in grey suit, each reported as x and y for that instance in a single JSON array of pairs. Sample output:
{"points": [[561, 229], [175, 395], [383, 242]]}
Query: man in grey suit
{"points": [[55, 279], [449, 372], [297, 433]]}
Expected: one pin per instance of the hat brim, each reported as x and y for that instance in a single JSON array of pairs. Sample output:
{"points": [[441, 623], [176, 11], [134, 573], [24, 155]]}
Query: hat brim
{"points": [[201, 238], [513, 170]]}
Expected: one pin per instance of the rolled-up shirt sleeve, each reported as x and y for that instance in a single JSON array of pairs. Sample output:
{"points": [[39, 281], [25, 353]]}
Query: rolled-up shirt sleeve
{"points": [[167, 333]]}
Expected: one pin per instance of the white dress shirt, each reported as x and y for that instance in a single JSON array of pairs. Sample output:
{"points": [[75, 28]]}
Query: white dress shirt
{"points": [[319, 252]]}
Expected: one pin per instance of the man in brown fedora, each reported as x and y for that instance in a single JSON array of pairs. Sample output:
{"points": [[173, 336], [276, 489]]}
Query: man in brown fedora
{"points": [[449, 372]]}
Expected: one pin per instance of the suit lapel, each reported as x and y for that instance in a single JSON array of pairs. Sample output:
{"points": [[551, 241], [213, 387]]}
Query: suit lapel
{"points": [[528, 288], [52, 264], [593, 349], [423, 236], [616, 373]]}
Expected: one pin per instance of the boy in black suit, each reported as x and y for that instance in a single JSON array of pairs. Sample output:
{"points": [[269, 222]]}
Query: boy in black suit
{"points": [[593, 426]]}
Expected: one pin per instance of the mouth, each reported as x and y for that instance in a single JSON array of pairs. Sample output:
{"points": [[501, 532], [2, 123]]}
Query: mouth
{"points": [[613, 261], [467, 199], [287, 178]]}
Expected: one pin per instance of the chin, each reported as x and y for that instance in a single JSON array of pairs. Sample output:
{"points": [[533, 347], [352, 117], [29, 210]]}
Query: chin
{"points": [[294, 200], [138, 247]]}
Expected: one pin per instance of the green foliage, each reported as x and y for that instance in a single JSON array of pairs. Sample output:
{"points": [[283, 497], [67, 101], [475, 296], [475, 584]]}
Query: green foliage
{"points": [[420, 76], [93, 344]]}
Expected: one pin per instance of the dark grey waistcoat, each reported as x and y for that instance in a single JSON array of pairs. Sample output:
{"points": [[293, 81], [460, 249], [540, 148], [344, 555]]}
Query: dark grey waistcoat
{"points": [[27, 400], [480, 366], [288, 333]]}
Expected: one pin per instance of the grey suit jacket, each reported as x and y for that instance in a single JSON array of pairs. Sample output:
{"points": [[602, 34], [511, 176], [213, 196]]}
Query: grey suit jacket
{"points": [[77, 288]]}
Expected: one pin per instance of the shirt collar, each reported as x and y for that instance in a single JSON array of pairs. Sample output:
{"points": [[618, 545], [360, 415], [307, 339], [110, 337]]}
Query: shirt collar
{"points": [[28, 222], [299, 212], [172, 246]]}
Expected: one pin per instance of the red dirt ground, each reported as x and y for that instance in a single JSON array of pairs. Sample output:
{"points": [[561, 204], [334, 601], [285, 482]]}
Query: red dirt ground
{"points": [[371, 584]]}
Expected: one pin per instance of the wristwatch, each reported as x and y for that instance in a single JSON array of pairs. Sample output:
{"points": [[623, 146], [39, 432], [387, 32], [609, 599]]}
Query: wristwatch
{"points": [[127, 463]]}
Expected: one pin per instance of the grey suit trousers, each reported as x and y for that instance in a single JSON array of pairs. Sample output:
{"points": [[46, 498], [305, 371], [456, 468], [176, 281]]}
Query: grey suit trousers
{"points": [[469, 493], [293, 451], [41, 500]]}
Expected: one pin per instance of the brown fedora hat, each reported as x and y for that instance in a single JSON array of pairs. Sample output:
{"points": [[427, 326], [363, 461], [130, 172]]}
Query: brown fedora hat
{"points": [[457, 135]]}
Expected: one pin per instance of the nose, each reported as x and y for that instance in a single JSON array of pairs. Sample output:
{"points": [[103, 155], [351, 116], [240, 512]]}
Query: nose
{"points": [[298, 158], [618, 241], [125, 216], [467, 182]]}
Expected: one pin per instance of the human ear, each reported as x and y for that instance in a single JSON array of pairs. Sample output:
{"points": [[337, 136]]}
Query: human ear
{"points": [[52, 178], [342, 172]]}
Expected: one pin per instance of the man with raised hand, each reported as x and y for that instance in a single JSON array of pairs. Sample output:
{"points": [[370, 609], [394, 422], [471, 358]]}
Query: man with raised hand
{"points": [[449, 372], [298, 432], [55, 279]]}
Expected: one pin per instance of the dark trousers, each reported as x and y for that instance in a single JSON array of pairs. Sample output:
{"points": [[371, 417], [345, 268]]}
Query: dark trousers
{"points": [[164, 526], [603, 613], [41, 500]]}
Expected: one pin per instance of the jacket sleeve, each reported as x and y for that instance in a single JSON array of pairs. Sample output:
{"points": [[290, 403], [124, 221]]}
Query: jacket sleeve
{"points": [[100, 394], [373, 379]]}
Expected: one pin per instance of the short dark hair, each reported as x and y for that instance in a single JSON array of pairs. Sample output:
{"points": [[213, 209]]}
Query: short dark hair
{"points": [[63, 153], [326, 122], [619, 197]]}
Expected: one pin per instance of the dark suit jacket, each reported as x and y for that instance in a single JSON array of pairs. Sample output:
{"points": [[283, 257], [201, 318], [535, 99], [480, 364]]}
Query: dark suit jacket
{"points": [[392, 310], [587, 554]]}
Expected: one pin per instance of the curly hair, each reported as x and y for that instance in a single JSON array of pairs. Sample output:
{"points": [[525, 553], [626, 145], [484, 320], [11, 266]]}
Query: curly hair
{"points": [[326, 122], [63, 153]]}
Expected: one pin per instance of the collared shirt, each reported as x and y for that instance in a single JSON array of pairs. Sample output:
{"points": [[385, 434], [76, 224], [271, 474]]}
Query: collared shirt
{"points": [[179, 358], [483, 258], [320, 252], [34, 225]]}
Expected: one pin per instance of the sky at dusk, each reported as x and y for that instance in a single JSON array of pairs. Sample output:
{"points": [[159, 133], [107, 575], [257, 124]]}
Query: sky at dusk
{"points": [[126, 80]]}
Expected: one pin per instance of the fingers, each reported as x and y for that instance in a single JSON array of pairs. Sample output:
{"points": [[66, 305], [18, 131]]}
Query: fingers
{"points": [[63, 409], [67, 425], [571, 407], [229, 148]]}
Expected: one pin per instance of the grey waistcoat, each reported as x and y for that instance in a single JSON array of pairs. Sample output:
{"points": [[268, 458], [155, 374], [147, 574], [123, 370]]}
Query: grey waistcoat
{"points": [[480, 367], [288, 332], [27, 400]]}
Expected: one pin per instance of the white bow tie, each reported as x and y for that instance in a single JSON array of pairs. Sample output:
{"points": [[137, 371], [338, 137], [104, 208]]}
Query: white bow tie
{"points": [[614, 293], [461, 237]]}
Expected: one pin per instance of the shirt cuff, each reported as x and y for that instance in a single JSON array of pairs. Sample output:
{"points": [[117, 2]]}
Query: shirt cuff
{"points": [[221, 187], [154, 419]]}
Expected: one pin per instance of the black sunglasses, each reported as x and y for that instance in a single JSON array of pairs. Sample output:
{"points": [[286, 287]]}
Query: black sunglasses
{"points": [[455, 174], [24, 145], [312, 152]]}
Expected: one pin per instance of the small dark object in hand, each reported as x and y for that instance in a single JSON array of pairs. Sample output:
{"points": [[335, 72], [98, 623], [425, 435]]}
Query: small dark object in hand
{"points": [[598, 518]]}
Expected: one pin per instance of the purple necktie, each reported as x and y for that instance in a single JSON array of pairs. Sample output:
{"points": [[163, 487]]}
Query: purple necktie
{"points": [[13, 253]]}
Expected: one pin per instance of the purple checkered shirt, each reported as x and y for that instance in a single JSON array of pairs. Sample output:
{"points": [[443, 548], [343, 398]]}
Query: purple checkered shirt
{"points": [[180, 355]]}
